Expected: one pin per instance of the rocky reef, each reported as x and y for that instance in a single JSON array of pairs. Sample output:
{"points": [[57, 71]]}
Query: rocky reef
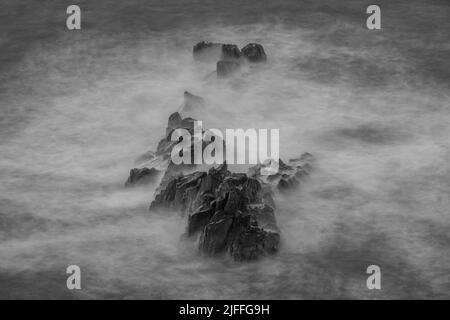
{"points": [[228, 57], [229, 213]]}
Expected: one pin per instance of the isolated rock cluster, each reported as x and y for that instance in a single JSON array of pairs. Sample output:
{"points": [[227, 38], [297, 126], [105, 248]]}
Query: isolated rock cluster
{"points": [[230, 213], [228, 57]]}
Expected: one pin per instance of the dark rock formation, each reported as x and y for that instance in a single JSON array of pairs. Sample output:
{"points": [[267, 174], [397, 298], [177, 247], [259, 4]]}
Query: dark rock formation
{"points": [[143, 176], [211, 52], [243, 224], [160, 160], [228, 56], [226, 68], [230, 52], [234, 213], [254, 53]]}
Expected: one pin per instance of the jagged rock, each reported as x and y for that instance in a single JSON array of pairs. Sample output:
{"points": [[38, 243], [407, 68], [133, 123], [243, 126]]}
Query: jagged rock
{"points": [[244, 223], [192, 102], [233, 212], [254, 53], [160, 160], [226, 68], [289, 175], [174, 191], [230, 52], [206, 51], [166, 144], [143, 176], [254, 234]]}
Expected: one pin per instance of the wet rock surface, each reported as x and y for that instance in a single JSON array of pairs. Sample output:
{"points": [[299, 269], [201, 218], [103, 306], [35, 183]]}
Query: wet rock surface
{"points": [[233, 213]]}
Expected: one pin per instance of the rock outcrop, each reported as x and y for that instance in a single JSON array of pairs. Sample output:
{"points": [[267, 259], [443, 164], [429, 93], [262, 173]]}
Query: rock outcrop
{"points": [[160, 160], [254, 53], [233, 213], [230, 52], [228, 57], [230, 213]]}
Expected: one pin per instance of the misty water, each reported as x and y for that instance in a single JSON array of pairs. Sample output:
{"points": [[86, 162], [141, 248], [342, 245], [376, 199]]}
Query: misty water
{"points": [[78, 107]]}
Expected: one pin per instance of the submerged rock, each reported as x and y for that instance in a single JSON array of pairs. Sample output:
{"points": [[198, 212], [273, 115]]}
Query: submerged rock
{"points": [[226, 68]]}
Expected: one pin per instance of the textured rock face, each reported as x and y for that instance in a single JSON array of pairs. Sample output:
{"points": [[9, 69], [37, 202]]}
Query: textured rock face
{"points": [[243, 224], [289, 175], [254, 53], [143, 176], [233, 212], [159, 161], [230, 52]]}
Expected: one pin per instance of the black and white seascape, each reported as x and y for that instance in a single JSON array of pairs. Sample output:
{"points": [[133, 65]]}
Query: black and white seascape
{"points": [[87, 173]]}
